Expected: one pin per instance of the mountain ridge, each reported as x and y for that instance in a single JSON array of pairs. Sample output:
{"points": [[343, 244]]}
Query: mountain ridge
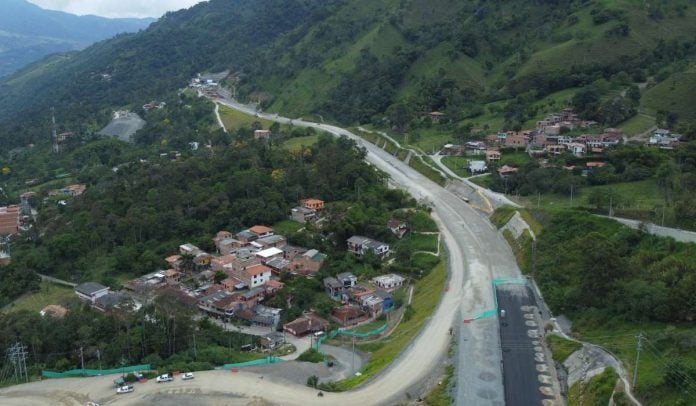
{"points": [[28, 32]]}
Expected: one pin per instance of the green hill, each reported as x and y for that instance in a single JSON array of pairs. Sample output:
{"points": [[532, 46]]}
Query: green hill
{"points": [[495, 64]]}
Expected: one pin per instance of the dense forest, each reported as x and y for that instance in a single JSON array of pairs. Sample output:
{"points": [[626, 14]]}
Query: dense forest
{"points": [[631, 274]]}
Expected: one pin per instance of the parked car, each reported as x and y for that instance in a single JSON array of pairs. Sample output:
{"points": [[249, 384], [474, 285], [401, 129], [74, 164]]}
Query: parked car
{"points": [[186, 376], [165, 378], [125, 389]]}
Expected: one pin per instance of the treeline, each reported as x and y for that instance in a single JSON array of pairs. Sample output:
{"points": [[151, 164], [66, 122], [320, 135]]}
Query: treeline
{"points": [[163, 333], [586, 263], [128, 219]]}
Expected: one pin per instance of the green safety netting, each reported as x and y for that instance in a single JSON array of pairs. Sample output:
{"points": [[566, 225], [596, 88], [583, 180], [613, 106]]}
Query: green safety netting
{"points": [[95, 372], [256, 362]]}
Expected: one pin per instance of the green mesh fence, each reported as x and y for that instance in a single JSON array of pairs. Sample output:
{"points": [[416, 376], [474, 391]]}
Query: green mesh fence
{"points": [[350, 333], [95, 372], [256, 362]]}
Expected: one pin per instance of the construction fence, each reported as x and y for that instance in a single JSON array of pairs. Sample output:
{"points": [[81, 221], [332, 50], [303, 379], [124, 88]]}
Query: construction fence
{"points": [[95, 372]]}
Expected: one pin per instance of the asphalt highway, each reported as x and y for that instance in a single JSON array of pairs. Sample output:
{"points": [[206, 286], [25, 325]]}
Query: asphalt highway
{"points": [[519, 335], [477, 254]]}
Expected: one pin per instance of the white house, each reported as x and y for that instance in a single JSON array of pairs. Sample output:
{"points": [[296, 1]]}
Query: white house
{"points": [[389, 282]]}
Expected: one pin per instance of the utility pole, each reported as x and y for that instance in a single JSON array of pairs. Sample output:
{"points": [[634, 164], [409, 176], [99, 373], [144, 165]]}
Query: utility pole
{"points": [[195, 353], [639, 346], [352, 359], [538, 199], [611, 206], [82, 361], [99, 358]]}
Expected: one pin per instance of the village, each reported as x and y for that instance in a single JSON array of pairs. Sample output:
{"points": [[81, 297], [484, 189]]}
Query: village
{"points": [[232, 284], [551, 137]]}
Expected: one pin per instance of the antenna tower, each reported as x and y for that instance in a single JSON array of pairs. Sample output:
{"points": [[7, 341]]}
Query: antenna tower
{"points": [[18, 357]]}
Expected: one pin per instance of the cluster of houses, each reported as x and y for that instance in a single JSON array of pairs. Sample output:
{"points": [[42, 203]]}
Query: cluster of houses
{"points": [[308, 211], [361, 302], [665, 139], [232, 283]]}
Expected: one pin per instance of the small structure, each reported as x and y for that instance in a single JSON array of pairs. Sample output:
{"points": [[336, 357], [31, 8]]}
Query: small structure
{"points": [[261, 231], [303, 214], [91, 291], [505, 171], [272, 340], [333, 287], [261, 134], [308, 263], [9, 219], [389, 282], [359, 245], [436, 116], [70, 190], [397, 227], [315, 204], [306, 324], [492, 155], [348, 315], [477, 167], [347, 279], [56, 311]]}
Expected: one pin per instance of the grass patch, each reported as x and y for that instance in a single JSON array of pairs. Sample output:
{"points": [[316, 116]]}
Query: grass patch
{"points": [[514, 158], [297, 143], [48, 293], [311, 355], [286, 227], [457, 164], [364, 328], [529, 219], [521, 248], [427, 171], [637, 124], [422, 260], [483, 180], [440, 395], [423, 242], [562, 348], [420, 221], [235, 120], [502, 215], [596, 392], [427, 294]]}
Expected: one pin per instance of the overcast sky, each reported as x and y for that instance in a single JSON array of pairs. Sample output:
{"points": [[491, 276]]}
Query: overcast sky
{"points": [[116, 8]]}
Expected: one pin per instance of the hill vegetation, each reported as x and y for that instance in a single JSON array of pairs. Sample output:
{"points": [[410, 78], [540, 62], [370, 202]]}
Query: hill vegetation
{"points": [[485, 64]]}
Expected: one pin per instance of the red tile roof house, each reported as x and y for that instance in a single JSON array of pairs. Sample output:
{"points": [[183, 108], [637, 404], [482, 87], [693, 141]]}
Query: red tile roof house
{"points": [[261, 231], [397, 227], [314, 204], [9, 220], [174, 261], [308, 263], [306, 324]]}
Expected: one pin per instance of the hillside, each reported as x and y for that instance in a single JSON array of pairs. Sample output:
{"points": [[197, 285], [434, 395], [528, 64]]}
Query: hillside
{"points": [[28, 32], [492, 64]]}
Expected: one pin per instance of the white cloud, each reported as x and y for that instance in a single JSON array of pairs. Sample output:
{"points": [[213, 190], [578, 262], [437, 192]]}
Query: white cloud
{"points": [[116, 8]]}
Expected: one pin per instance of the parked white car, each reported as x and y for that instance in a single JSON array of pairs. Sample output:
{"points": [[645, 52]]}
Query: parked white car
{"points": [[165, 378], [186, 376], [125, 389]]}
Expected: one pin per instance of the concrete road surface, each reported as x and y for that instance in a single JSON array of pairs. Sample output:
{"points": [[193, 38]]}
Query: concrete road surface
{"points": [[477, 254]]}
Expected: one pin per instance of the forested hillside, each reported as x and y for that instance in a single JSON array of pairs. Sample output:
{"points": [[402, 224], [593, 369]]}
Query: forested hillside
{"points": [[484, 63]]}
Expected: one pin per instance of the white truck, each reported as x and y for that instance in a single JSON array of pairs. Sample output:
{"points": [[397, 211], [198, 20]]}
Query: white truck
{"points": [[165, 378]]}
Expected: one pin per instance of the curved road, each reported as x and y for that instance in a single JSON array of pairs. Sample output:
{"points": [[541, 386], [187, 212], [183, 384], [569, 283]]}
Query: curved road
{"points": [[477, 255]]}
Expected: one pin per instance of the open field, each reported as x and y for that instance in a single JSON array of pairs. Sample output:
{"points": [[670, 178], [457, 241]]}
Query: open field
{"points": [[295, 143], [49, 293]]}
